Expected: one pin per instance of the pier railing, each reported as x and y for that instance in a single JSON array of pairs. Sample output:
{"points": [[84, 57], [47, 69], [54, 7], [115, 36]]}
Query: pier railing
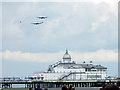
{"points": [[59, 83]]}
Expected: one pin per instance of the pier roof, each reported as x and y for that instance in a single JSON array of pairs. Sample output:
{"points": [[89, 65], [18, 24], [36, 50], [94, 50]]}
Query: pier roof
{"points": [[78, 66]]}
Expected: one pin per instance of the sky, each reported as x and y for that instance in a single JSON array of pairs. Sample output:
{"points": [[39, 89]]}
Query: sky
{"points": [[88, 30]]}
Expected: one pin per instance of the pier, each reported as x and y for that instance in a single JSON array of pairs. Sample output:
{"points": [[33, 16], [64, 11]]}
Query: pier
{"points": [[57, 84]]}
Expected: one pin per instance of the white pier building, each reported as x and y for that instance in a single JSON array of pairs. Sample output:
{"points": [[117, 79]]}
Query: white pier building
{"points": [[69, 70]]}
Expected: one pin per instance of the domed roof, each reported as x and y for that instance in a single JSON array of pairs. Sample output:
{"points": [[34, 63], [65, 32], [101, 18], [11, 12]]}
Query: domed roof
{"points": [[66, 55]]}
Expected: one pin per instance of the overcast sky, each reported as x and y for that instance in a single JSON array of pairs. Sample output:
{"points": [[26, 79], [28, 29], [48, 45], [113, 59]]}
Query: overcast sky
{"points": [[87, 29]]}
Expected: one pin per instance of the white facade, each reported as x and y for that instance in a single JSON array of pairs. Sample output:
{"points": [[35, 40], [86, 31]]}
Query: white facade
{"points": [[69, 70]]}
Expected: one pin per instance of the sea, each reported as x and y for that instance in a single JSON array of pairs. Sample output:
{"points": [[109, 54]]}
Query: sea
{"points": [[80, 88]]}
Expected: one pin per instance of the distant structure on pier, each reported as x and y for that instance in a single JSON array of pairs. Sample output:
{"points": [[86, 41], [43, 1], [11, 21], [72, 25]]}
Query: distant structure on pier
{"points": [[66, 69]]}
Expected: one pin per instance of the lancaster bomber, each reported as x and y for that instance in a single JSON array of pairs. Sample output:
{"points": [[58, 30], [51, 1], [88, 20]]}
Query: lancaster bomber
{"points": [[41, 17], [36, 23]]}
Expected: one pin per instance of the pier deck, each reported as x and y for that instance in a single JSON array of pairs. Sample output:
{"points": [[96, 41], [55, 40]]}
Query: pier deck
{"points": [[57, 84]]}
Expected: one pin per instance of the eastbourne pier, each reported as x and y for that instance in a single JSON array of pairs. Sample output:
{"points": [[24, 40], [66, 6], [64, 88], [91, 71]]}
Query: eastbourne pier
{"points": [[57, 84], [67, 72]]}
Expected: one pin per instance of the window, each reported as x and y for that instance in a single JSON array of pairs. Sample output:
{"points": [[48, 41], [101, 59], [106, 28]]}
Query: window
{"points": [[93, 76]]}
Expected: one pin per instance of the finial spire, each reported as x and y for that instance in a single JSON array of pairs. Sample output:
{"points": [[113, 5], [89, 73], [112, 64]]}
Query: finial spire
{"points": [[66, 51]]}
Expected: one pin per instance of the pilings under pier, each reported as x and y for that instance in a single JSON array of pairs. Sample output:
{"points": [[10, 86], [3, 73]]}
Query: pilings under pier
{"points": [[57, 84]]}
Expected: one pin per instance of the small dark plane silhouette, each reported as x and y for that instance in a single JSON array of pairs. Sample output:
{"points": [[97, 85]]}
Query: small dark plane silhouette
{"points": [[36, 23], [41, 17]]}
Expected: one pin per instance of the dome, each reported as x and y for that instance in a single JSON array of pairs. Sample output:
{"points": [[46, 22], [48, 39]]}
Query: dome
{"points": [[66, 57]]}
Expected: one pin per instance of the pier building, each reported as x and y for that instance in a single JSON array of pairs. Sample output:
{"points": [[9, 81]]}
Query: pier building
{"points": [[66, 69]]}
